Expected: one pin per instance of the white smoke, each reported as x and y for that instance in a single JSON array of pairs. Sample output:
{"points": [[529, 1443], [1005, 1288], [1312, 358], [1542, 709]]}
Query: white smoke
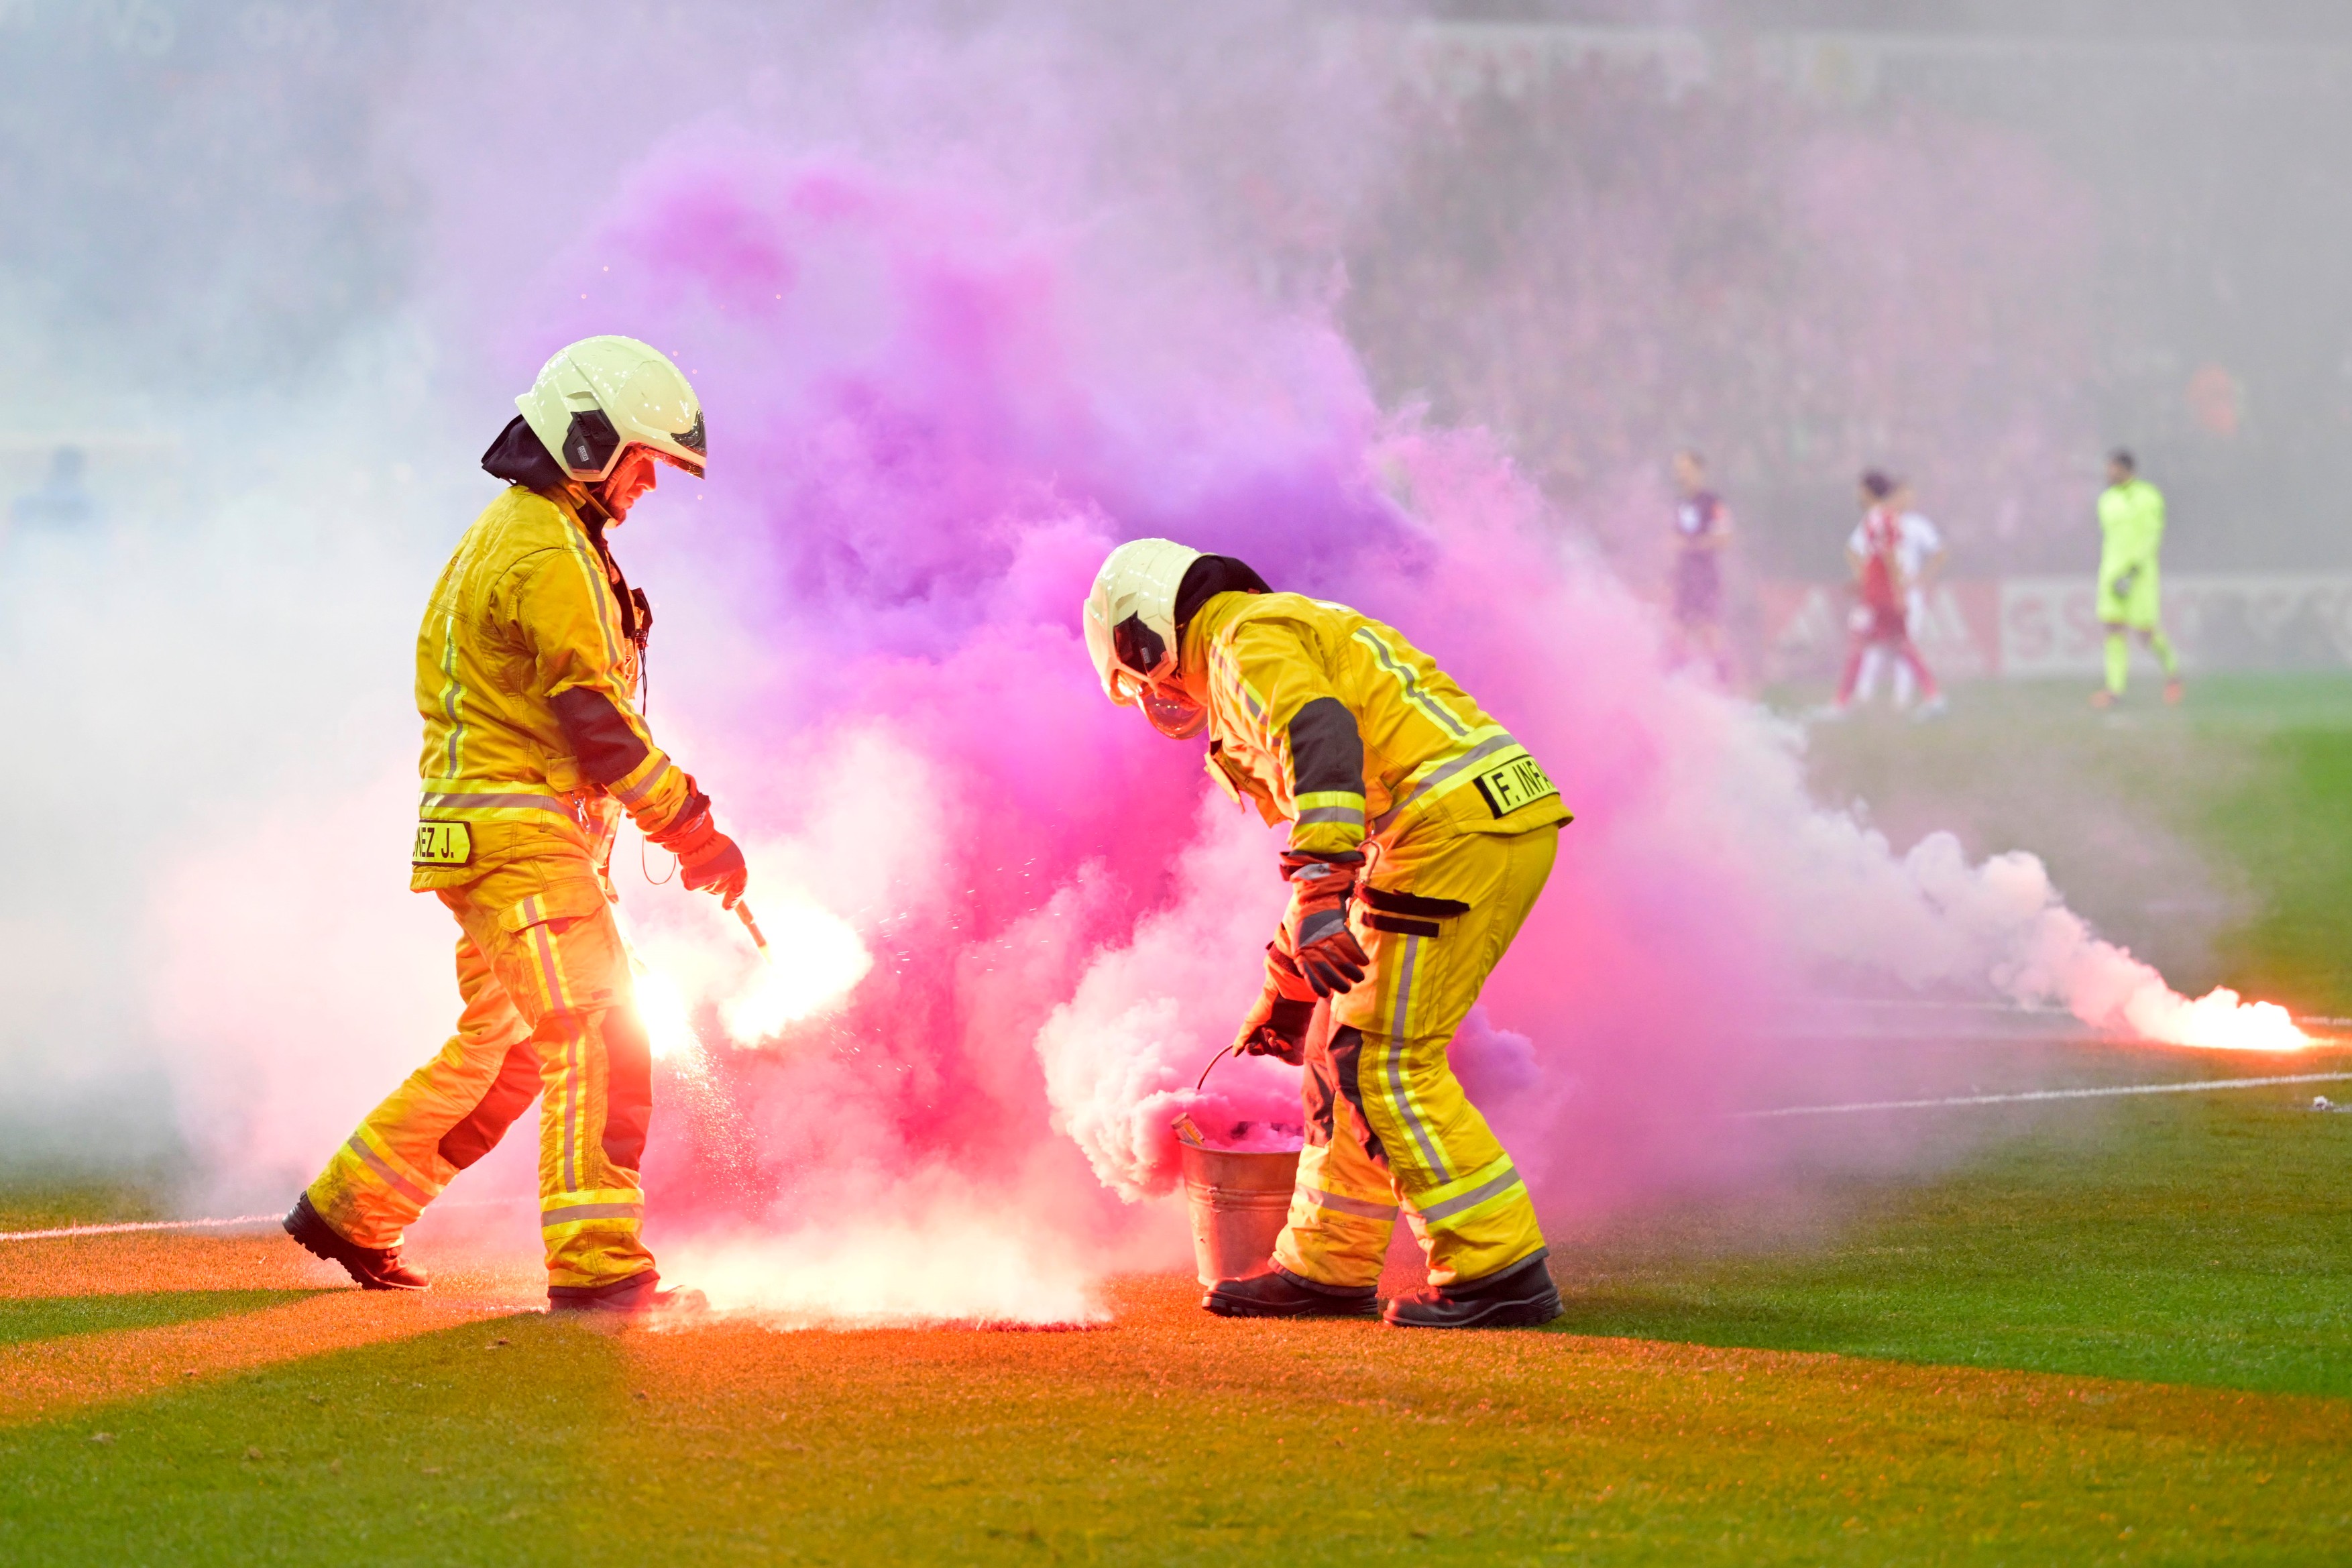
{"points": [[1123, 1055], [948, 1265]]}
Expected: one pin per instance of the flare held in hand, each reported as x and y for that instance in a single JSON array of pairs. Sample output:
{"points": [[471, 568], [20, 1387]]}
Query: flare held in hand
{"points": [[708, 860]]}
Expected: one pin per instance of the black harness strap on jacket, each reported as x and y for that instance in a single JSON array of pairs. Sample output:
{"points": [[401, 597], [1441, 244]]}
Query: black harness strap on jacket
{"points": [[1402, 926], [1408, 914], [1397, 903]]}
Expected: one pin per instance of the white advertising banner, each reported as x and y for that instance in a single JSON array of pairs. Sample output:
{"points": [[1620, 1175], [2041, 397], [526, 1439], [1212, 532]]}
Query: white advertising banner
{"points": [[2025, 627], [2050, 626]]}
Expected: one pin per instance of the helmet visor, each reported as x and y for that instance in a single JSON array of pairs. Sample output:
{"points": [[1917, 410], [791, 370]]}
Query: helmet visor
{"points": [[683, 465], [1171, 712], [1116, 654]]}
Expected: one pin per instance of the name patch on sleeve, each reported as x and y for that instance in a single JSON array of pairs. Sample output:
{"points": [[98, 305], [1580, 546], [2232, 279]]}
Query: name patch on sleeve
{"points": [[442, 844], [1512, 785]]}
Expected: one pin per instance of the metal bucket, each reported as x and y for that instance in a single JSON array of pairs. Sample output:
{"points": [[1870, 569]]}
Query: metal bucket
{"points": [[1239, 1200]]}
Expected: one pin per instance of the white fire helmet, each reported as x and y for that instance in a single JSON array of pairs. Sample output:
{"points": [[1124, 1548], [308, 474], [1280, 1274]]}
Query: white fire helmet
{"points": [[596, 399], [1131, 624]]}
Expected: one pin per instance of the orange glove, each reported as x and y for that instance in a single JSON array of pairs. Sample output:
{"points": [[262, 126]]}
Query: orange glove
{"points": [[1277, 1025], [708, 860], [1321, 887]]}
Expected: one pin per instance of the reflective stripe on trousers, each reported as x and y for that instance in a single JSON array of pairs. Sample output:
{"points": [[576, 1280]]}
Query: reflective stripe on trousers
{"points": [[1388, 1123], [547, 1011]]}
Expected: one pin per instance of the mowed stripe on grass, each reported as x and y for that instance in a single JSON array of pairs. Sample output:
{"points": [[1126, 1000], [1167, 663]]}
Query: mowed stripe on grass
{"points": [[2183, 1242], [1168, 1437], [110, 1318]]}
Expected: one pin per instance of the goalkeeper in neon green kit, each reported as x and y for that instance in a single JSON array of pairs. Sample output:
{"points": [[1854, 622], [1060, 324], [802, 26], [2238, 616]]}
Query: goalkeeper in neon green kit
{"points": [[2131, 523]]}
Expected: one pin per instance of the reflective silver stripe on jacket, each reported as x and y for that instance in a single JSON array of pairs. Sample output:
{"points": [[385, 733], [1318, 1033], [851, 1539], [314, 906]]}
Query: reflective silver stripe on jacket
{"points": [[1406, 678], [1439, 775], [630, 796], [493, 802]]}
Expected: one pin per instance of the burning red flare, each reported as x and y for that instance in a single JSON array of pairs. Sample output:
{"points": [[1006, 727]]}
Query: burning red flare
{"points": [[2218, 1021]]}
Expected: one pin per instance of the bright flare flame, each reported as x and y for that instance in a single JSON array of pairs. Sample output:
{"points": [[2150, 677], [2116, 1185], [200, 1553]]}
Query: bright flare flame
{"points": [[2218, 1020], [661, 1008], [944, 1267], [815, 960]]}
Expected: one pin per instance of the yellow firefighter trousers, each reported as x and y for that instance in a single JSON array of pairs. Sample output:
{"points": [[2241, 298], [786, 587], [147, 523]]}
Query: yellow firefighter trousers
{"points": [[544, 977], [1387, 1122]]}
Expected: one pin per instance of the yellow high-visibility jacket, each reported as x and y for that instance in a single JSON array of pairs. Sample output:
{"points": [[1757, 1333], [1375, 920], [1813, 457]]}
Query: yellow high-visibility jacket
{"points": [[1328, 719], [527, 675], [2131, 527]]}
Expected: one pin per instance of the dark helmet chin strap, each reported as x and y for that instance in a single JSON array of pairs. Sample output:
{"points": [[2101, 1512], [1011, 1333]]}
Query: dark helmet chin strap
{"points": [[636, 612], [599, 517]]}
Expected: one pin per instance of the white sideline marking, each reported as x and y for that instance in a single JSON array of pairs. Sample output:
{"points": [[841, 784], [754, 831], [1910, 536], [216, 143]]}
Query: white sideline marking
{"points": [[140, 1225], [2197, 1087], [232, 1224], [2019, 1009]]}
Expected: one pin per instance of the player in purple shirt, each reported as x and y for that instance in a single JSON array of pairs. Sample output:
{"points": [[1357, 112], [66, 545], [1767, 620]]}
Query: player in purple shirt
{"points": [[1702, 530]]}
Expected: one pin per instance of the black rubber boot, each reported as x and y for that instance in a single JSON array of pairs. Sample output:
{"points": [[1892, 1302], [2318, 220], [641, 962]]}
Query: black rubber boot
{"points": [[375, 1267], [1279, 1293], [1519, 1297], [637, 1298]]}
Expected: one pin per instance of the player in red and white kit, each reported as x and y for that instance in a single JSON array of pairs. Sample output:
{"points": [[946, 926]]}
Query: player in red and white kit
{"points": [[1919, 550], [1882, 616]]}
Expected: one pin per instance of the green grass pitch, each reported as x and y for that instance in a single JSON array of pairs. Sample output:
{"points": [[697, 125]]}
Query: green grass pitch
{"points": [[2123, 1336]]}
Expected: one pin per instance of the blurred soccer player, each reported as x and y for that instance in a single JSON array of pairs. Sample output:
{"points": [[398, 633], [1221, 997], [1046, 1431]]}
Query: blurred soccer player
{"points": [[1920, 549], [1702, 530], [2131, 529], [1881, 614]]}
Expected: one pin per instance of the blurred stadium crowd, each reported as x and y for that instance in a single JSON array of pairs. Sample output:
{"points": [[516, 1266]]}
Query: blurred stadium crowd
{"points": [[1975, 245]]}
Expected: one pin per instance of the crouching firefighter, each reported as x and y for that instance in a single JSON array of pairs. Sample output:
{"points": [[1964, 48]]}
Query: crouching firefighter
{"points": [[1420, 833], [528, 668]]}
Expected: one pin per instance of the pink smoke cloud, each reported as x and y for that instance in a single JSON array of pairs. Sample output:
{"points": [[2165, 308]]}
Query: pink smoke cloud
{"points": [[930, 415], [929, 423]]}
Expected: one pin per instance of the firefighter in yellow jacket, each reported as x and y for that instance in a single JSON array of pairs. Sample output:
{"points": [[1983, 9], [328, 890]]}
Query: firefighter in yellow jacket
{"points": [[1421, 835], [527, 667]]}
